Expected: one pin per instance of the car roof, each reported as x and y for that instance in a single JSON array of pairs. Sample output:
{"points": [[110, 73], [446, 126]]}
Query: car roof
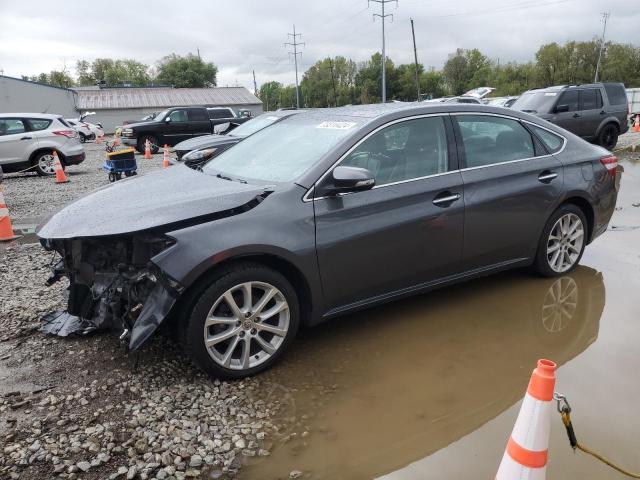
{"points": [[31, 115]]}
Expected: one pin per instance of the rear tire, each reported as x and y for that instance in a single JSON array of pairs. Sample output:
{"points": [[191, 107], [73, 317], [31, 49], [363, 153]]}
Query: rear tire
{"points": [[563, 241], [608, 137], [83, 137], [43, 163], [227, 316], [155, 148]]}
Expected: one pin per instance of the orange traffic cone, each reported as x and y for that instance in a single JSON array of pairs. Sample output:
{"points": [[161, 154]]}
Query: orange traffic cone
{"points": [[165, 157], [147, 149], [6, 229], [526, 453], [636, 124], [116, 141], [61, 177]]}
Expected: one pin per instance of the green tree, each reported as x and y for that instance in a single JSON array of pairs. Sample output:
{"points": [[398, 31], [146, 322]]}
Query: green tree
{"points": [[270, 95], [186, 71], [368, 80], [329, 82]]}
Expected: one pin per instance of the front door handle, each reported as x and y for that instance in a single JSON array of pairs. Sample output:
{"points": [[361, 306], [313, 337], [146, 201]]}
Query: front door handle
{"points": [[547, 176], [26, 138], [446, 198], [576, 115]]}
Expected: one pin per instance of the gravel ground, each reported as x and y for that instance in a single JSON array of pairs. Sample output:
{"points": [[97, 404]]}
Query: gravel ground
{"points": [[29, 195]]}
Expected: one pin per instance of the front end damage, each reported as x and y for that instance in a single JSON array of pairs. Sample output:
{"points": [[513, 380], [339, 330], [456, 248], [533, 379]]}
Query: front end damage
{"points": [[113, 284]]}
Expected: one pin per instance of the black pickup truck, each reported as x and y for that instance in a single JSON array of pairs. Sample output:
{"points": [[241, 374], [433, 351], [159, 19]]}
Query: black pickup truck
{"points": [[177, 124]]}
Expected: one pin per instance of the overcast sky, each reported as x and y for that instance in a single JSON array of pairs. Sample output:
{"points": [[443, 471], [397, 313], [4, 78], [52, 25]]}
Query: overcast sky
{"points": [[242, 35]]}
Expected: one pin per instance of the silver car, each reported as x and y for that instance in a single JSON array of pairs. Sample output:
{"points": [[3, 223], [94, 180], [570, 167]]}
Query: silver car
{"points": [[28, 140]]}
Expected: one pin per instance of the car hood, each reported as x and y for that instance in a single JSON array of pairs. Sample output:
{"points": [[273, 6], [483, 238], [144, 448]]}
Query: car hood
{"points": [[166, 199], [141, 124], [203, 142]]}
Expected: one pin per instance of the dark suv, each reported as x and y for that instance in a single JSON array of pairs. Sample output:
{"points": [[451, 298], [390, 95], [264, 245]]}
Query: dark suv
{"points": [[596, 112]]}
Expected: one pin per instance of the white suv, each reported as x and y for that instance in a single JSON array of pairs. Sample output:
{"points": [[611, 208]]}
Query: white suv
{"points": [[29, 140]]}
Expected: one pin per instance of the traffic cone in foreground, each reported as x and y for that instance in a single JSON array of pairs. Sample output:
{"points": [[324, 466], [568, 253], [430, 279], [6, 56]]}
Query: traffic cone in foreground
{"points": [[61, 177], [147, 149], [6, 229], [526, 454], [636, 124], [165, 157]]}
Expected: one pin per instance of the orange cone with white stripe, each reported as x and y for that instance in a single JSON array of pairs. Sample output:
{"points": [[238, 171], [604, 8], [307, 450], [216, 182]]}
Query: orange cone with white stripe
{"points": [[6, 229], [636, 124], [526, 453], [61, 177], [165, 157], [147, 149]]}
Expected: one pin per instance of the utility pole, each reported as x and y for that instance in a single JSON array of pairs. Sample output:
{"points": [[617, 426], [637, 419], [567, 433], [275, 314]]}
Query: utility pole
{"points": [[333, 81], [605, 17], [255, 85], [294, 43], [415, 56], [382, 16]]}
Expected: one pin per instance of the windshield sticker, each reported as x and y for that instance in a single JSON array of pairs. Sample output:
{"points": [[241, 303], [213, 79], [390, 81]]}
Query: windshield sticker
{"points": [[550, 94], [337, 125]]}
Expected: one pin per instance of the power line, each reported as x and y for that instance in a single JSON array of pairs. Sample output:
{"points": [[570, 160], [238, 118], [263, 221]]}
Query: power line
{"points": [[294, 43], [605, 17], [382, 17]]}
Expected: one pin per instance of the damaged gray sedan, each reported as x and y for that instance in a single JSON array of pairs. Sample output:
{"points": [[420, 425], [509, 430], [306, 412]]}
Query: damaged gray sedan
{"points": [[324, 213]]}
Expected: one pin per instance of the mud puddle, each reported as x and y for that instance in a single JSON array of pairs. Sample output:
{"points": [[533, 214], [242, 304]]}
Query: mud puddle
{"points": [[430, 387]]}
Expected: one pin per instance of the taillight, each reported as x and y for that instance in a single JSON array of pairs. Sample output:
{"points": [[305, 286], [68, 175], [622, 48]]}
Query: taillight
{"points": [[65, 133], [610, 163]]}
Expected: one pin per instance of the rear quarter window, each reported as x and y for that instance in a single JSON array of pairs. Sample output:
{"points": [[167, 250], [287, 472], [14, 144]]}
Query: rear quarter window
{"points": [[38, 124], [616, 94], [552, 142], [63, 122]]}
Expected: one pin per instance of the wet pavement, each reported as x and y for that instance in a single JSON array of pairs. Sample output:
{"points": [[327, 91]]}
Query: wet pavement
{"points": [[430, 387]]}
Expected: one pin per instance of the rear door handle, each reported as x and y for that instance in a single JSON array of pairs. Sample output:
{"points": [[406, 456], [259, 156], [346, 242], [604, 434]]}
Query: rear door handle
{"points": [[26, 138], [446, 198], [547, 176]]}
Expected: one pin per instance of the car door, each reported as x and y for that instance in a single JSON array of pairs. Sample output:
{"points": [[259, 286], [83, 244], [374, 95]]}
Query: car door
{"points": [[511, 185], [566, 111], [591, 112], [405, 231], [15, 140], [199, 123], [176, 126]]}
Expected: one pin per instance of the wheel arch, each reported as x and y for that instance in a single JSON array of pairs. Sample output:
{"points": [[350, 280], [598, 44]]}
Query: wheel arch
{"points": [[39, 150], [605, 122], [283, 266], [586, 207]]}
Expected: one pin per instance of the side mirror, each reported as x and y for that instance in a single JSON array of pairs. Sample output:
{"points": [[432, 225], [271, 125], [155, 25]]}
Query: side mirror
{"points": [[562, 108], [167, 119], [351, 179]]}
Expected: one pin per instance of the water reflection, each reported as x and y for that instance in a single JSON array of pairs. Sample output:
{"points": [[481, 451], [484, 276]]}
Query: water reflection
{"points": [[382, 388]]}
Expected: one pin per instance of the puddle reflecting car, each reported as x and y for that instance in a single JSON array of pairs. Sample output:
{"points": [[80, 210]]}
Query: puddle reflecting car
{"points": [[324, 213]]}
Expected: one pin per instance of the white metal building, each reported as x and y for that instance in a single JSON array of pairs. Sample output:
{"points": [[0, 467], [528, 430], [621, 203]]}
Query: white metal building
{"points": [[18, 95], [112, 106]]}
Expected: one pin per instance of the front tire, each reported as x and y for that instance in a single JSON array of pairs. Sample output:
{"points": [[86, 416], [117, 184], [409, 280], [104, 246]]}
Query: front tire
{"points": [[608, 137], [562, 242], [83, 137], [243, 322], [44, 164]]}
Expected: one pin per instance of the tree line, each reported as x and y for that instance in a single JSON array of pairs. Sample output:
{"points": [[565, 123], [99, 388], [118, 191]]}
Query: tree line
{"points": [[175, 70], [339, 81]]}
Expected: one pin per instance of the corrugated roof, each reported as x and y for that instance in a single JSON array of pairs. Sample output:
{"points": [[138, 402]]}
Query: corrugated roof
{"points": [[158, 97]]}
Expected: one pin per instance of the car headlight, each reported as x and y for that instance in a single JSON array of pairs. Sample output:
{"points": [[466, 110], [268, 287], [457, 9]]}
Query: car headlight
{"points": [[200, 154]]}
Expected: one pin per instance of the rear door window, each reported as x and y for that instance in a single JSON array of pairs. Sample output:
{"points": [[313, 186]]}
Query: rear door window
{"points": [[36, 124], [591, 99], [197, 114], [11, 126], [220, 113], [551, 141], [571, 99], [488, 140]]}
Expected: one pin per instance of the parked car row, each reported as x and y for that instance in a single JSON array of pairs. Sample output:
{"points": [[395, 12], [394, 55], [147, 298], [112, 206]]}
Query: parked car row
{"points": [[325, 212]]}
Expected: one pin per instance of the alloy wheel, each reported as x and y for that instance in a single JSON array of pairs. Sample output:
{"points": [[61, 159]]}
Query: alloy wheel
{"points": [[565, 242], [560, 304], [246, 325], [46, 164], [609, 137]]}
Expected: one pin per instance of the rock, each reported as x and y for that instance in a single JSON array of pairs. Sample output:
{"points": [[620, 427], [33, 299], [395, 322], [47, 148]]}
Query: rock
{"points": [[132, 472], [196, 461], [295, 474], [240, 443], [84, 466]]}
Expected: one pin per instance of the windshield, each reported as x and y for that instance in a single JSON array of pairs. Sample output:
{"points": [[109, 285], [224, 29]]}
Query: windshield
{"points": [[160, 116], [252, 126], [535, 102], [282, 152]]}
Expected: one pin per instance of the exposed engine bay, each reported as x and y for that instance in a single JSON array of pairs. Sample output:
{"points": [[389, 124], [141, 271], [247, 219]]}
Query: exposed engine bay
{"points": [[113, 284]]}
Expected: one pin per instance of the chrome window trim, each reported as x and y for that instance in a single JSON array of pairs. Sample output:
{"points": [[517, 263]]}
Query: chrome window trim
{"points": [[306, 198]]}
